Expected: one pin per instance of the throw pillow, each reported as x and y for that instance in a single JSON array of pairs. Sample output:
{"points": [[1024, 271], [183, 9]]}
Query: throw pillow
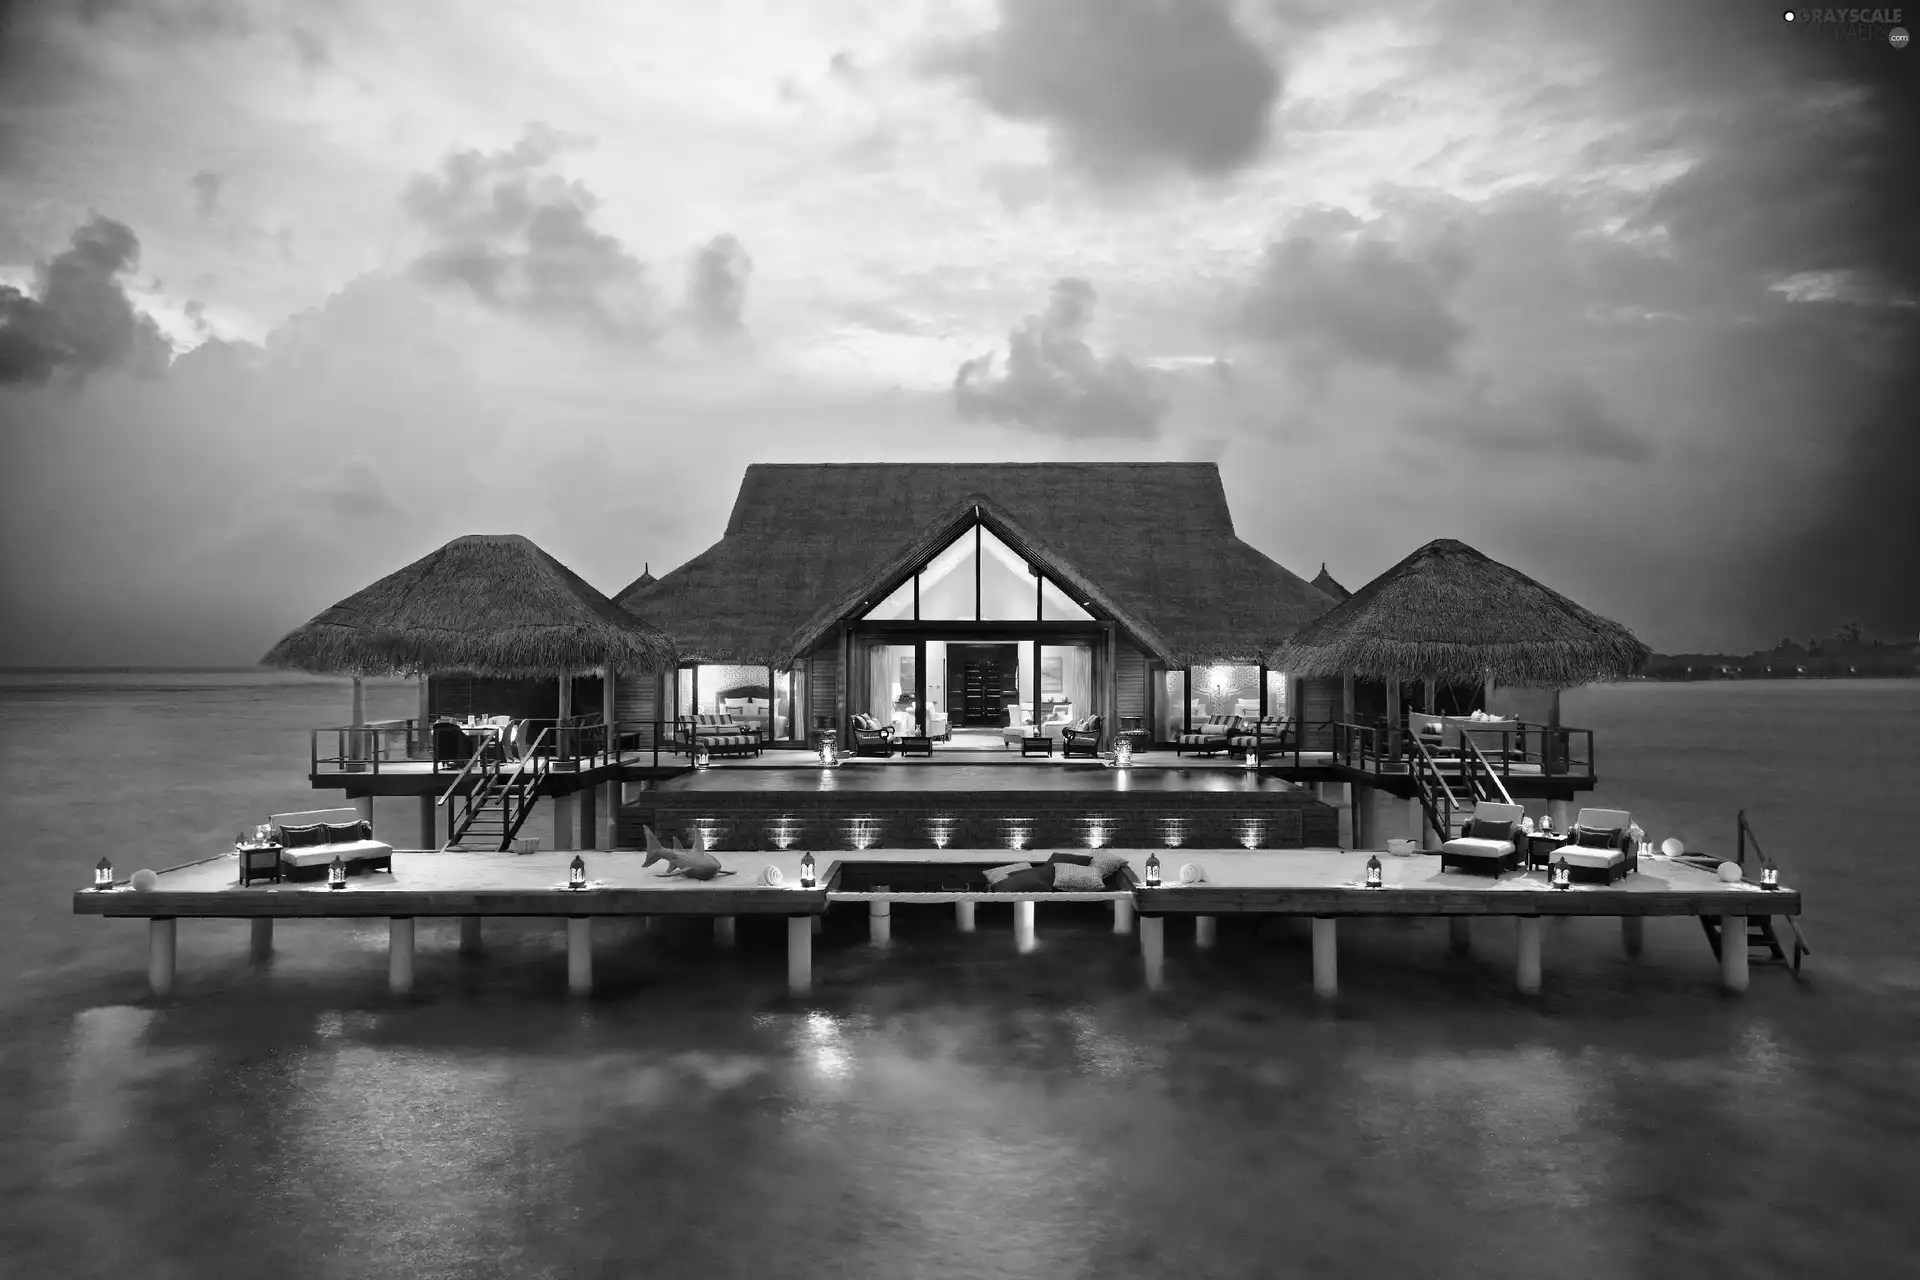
{"points": [[1489, 829], [348, 832], [1105, 864], [1043, 873], [1597, 838], [1028, 881], [303, 837], [1071, 878], [1078, 859], [995, 875]]}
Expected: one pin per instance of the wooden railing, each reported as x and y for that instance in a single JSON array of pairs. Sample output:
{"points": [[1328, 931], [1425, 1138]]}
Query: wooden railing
{"points": [[1554, 750]]}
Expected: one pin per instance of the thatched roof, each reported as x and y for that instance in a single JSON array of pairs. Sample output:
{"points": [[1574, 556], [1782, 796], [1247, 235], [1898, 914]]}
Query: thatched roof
{"points": [[1327, 585], [493, 605], [1447, 612], [1150, 544], [646, 579]]}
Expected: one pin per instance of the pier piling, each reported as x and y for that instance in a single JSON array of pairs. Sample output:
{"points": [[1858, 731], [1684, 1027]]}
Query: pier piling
{"points": [[1733, 953], [723, 932], [469, 935], [161, 937], [261, 939], [1326, 958], [963, 916], [1460, 935], [1633, 933], [579, 955], [800, 954], [1153, 950], [879, 921], [400, 954], [1527, 955], [1123, 915], [1023, 925], [1203, 932]]}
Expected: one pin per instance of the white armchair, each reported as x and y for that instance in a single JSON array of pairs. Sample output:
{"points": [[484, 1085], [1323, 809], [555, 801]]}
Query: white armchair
{"points": [[1491, 842], [1017, 726], [1600, 849]]}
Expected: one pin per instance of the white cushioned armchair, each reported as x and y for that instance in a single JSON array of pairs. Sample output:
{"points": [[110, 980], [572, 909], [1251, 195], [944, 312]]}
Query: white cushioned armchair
{"points": [[1491, 842], [1600, 849]]}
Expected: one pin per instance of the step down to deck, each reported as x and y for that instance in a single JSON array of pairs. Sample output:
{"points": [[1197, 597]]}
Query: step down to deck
{"points": [[1761, 935]]}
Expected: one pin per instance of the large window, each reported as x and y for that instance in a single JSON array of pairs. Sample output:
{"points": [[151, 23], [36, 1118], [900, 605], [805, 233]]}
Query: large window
{"points": [[1066, 683], [979, 576], [1227, 690], [887, 692]]}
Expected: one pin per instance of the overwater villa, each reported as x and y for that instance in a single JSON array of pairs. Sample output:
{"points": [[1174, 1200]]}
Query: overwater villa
{"points": [[903, 666]]}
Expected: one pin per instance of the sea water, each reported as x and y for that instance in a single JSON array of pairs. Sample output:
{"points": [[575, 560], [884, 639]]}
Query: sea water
{"points": [[950, 1108]]}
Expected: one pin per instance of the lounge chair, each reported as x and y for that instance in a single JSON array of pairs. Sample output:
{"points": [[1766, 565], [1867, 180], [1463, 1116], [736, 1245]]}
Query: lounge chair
{"points": [[1600, 849], [870, 737], [1491, 842], [451, 744], [718, 736], [1081, 738], [1208, 736], [1268, 737]]}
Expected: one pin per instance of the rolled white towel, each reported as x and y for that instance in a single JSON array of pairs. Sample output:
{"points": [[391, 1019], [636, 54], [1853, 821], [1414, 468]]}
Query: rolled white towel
{"points": [[773, 876], [1193, 873]]}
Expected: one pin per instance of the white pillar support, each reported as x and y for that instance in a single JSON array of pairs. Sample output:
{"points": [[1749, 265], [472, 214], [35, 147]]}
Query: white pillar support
{"points": [[1326, 958], [800, 954], [1123, 914], [1460, 935], [563, 837], [469, 935], [963, 914], [1633, 933], [1733, 953], [579, 955], [1023, 925], [429, 823], [879, 921], [162, 935], [261, 940], [723, 932], [1153, 950], [1203, 932], [400, 954], [1526, 970]]}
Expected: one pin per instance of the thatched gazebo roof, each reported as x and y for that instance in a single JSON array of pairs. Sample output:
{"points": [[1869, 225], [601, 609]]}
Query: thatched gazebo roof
{"points": [[1448, 613], [488, 604], [646, 579], [1327, 583]]}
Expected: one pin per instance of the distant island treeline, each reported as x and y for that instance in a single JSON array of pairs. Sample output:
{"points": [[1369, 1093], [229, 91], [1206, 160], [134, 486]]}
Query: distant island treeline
{"points": [[1843, 656]]}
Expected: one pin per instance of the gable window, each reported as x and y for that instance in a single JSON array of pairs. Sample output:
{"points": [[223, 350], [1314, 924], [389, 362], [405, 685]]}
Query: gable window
{"points": [[979, 577]]}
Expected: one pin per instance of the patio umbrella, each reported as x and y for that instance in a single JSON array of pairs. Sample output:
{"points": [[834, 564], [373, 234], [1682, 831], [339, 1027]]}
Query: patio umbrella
{"points": [[1450, 614], [489, 604]]}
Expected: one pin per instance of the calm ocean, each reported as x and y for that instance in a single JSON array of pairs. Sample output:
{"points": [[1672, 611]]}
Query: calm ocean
{"points": [[951, 1108]]}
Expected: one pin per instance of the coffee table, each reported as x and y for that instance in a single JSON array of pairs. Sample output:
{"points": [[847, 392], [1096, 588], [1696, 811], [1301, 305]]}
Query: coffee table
{"points": [[914, 746], [1042, 746]]}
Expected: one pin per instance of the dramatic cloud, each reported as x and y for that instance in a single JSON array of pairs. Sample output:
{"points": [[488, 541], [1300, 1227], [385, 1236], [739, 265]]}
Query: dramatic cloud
{"points": [[1565, 417], [79, 319], [717, 288], [516, 234], [1054, 382], [1126, 85], [1343, 295]]}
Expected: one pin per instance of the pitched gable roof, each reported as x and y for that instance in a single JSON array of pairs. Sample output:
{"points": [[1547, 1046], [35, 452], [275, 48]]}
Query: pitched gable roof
{"points": [[1328, 584], [1151, 543]]}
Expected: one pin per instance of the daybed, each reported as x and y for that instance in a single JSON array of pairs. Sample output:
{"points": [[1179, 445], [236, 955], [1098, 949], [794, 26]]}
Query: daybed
{"points": [[310, 840], [1600, 849], [1264, 737], [1491, 842], [717, 735], [1207, 736]]}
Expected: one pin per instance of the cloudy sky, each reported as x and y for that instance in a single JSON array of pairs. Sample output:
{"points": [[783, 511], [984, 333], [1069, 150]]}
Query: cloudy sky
{"points": [[1626, 295]]}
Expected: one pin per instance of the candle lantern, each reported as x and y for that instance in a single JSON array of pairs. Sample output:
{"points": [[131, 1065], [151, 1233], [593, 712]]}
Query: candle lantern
{"points": [[1373, 872], [1769, 875], [336, 873], [1252, 761], [1153, 871], [702, 758], [577, 873], [102, 875], [806, 871], [1562, 875], [1122, 753]]}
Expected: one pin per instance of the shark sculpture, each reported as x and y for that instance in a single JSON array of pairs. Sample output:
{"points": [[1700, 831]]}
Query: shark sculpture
{"points": [[694, 864]]}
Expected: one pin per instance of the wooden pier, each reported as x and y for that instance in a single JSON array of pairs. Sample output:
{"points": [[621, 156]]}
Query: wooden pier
{"points": [[1322, 884]]}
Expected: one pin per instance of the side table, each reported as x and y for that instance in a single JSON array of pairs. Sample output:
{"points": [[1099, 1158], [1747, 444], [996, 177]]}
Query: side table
{"points": [[259, 862], [1540, 846], [1041, 746]]}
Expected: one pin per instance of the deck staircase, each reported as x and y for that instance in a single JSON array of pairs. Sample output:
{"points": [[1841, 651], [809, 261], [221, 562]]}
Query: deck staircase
{"points": [[497, 801], [1760, 931]]}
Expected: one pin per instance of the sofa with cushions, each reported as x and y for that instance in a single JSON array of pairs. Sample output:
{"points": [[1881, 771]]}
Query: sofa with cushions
{"points": [[1601, 848], [1100, 872], [1207, 736], [1264, 737], [718, 735], [310, 840], [1491, 842]]}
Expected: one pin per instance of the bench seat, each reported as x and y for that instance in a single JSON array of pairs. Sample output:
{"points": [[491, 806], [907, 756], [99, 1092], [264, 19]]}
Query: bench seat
{"points": [[320, 855]]}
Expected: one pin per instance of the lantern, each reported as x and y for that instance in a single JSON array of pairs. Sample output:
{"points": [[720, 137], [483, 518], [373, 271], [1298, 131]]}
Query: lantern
{"points": [[1153, 871], [806, 871], [1252, 761], [826, 752], [577, 873], [1769, 875], [702, 758], [1562, 875], [1373, 872], [1122, 753], [337, 873], [102, 875]]}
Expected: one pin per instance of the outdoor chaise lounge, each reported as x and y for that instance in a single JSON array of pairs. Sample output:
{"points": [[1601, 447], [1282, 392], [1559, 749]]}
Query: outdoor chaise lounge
{"points": [[310, 840], [1600, 849], [718, 736], [1081, 738], [1208, 736], [1264, 737], [1491, 842]]}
